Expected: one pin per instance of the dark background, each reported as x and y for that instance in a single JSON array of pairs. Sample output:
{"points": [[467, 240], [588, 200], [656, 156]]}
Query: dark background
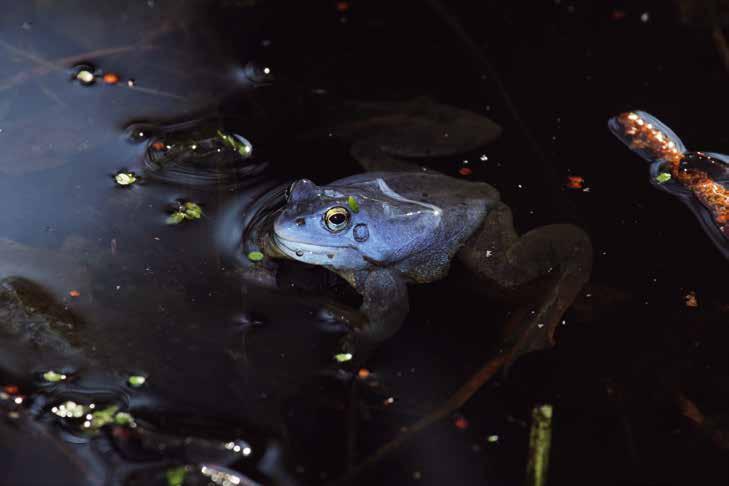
{"points": [[550, 73]]}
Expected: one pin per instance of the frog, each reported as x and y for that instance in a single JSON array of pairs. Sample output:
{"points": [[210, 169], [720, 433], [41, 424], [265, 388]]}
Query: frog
{"points": [[397, 225]]}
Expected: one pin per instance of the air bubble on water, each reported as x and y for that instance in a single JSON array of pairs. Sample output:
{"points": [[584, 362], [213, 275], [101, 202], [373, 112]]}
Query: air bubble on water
{"points": [[299, 253]]}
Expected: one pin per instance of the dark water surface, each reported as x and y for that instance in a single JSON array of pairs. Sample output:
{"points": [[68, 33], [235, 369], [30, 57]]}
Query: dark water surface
{"points": [[230, 362]]}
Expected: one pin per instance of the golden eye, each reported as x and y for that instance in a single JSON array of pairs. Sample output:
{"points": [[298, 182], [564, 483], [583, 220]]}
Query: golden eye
{"points": [[336, 218]]}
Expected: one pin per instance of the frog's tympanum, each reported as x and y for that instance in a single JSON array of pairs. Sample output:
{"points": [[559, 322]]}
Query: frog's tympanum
{"points": [[699, 179]]}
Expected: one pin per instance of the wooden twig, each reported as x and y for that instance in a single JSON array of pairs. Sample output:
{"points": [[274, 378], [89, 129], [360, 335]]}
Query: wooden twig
{"points": [[456, 401]]}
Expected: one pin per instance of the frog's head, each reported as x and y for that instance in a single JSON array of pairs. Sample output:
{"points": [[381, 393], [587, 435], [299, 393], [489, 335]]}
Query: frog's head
{"points": [[352, 227]]}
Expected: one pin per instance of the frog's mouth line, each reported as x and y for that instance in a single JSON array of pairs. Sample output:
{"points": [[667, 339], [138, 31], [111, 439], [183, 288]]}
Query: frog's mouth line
{"points": [[290, 247]]}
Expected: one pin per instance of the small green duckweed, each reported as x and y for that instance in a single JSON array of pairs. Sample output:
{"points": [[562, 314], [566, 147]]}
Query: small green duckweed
{"points": [[176, 476], [343, 357], [353, 204], [255, 256], [136, 381], [663, 177], [185, 211], [53, 377], [125, 178], [237, 143]]}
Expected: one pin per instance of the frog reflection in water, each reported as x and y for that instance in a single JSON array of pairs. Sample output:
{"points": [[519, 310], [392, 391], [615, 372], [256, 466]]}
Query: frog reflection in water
{"points": [[383, 230]]}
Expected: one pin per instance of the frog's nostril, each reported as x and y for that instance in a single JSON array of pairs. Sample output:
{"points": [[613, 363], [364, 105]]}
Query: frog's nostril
{"points": [[300, 221]]}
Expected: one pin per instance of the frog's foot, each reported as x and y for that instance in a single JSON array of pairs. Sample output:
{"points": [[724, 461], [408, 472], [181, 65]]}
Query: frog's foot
{"points": [[372, 158], [561, 253]]}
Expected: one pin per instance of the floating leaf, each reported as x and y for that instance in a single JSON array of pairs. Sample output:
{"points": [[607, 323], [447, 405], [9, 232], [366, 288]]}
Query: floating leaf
{"points": [[353, 204], [343, 357], [123, 418], [237, 143], [53, 377], [255, 256], [176, 218], [663, 177], [125, 178], [136, 381], [102, 417], [192, 210], [176, 476]]}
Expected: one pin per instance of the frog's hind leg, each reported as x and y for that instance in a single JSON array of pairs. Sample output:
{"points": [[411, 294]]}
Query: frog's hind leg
{"points": [[562, 252]]}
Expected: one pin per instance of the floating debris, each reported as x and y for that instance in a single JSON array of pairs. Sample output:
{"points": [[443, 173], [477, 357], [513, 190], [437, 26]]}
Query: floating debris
{"points": [[223, 476], [255, 256], [237, 143], [663, 177], [353, 204], [136, 381], [465, 171], [575, 182], [343, 357], [111, 78], [540, 439], [492, 439], [691, 300], [125, 178], [176, 476], [69, 409], [74, 293], [363, 373], [461, 423], [53, 377], [240, 447], [85, 74], [187, 210]]}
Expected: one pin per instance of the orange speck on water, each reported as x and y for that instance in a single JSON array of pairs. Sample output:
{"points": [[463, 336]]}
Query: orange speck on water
{"points": [[342, 6], [11, 389], [691, 300], [575, 182], [74, 293], [111, 78], [461, 423], [363, 373], [158, 145], [465, 171]]}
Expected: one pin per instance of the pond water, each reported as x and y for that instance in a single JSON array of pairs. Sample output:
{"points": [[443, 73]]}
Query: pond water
{"points": [[137, 137]]}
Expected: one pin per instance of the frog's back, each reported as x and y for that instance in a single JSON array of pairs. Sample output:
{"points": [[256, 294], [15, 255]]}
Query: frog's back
{"points": [[463, 205]]}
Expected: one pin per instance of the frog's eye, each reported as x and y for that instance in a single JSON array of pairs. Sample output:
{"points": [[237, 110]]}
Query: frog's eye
{"points": [[336, 218]]}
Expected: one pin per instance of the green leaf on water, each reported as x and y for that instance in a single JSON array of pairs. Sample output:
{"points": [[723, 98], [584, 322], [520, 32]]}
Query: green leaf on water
{"points": [[176, 476], [176, 218], [353, 204], [123, 418], [663, 177], [343, 357], [125, 178], [136, 381], [237, 143], [53, 377], [102, 417], [255, 256]]}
